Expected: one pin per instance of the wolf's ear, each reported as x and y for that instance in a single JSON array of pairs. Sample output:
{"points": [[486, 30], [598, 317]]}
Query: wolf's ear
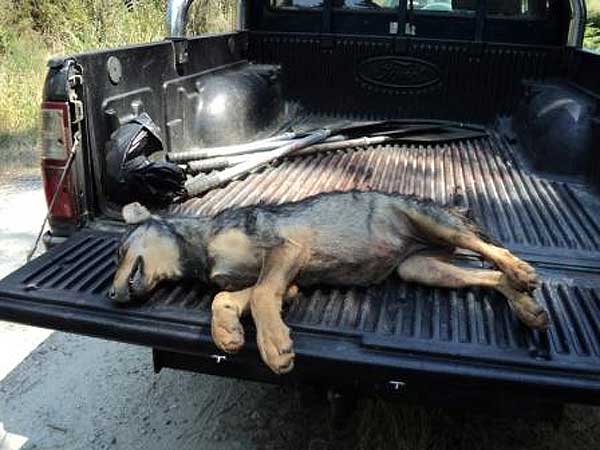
{"points": [[135, 213]]}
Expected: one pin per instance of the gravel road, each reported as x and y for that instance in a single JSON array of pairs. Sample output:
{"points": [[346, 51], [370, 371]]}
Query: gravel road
{"points": [[67, 392]]}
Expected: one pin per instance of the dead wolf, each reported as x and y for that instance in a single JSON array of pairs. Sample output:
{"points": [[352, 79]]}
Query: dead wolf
{"points": [[259, 255]]}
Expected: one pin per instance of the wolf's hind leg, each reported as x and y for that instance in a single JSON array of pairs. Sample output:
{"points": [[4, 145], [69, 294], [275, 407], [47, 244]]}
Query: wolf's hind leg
{"points": [[521, 274], [433, 271], [227, 308]]}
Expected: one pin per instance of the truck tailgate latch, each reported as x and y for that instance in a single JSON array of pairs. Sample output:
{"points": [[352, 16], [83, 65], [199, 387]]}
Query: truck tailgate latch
{"points": [[75, 79]]}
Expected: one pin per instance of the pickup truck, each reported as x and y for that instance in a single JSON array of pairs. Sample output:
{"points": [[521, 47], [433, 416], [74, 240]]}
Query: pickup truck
{"points": [[513, 70]]}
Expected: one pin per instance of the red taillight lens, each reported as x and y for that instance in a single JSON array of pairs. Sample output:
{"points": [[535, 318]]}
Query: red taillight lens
{"points": [[56, 142], [64, 207]]}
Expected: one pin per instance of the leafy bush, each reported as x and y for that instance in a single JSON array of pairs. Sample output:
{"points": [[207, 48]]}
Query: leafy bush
{"points": [[592, 31], [33, 30], [592, 37]]}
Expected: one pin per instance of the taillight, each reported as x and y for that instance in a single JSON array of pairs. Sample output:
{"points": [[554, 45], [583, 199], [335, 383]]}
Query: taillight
{"points": [[56, 142]]}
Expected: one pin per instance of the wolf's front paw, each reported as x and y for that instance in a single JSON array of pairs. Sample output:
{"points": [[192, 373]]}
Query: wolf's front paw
{"points": [[529, 311], [227, 331], [276, 346], [522, 276]]}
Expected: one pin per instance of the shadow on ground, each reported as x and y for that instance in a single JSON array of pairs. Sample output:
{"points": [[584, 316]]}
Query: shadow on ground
{"points": [[82, 393]]}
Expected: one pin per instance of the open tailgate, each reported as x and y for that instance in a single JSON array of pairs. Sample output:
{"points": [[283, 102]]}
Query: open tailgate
{"points": [[401, 329], [378, 335]]}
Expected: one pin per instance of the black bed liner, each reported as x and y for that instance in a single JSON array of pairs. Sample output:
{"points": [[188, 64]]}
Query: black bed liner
{"points": [[404, 330]]}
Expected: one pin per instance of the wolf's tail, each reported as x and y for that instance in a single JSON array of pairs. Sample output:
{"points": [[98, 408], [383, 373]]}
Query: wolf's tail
{"points": [[457, 207], [454, 214], [466, 219]]}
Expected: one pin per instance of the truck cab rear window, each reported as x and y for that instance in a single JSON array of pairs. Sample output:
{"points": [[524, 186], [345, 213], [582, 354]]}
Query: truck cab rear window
{"points": [[365, 4], [440, 5], [297, 4], [338, 4], [494, 7], [501, 7]]}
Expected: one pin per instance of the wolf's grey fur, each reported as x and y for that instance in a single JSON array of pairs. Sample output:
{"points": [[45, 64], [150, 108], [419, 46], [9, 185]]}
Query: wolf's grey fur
{"points": [[357, 238]]}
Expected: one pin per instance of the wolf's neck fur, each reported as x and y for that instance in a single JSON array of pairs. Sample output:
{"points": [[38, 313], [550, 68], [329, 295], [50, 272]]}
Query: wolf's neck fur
{"points": [[192, 238]]}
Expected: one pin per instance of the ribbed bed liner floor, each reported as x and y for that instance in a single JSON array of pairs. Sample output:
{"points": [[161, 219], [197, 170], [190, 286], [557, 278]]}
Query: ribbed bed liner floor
{"points": [[553, 223], [516, 207]]}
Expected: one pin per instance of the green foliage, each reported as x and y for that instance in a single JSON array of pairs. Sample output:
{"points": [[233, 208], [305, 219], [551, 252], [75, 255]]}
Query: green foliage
{"points": [[212, 16], [592, 30], [592, 37], [22, 61], [33, 30], [593, 7], [93, 24]]}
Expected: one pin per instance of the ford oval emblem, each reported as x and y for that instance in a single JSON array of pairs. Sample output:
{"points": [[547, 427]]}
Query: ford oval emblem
{"points": [[398, 73]]}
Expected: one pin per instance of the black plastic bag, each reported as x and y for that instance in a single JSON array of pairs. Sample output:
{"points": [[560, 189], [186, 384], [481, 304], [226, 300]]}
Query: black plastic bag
{"points": [[131, 175]]}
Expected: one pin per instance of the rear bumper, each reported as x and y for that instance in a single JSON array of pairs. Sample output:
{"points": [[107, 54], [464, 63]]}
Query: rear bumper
{"points": [[346, 365], [322, 360]]}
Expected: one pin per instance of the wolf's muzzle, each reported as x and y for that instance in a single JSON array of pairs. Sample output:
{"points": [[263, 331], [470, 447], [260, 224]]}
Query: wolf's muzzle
{"points": [[134, 287], [121, 295]]}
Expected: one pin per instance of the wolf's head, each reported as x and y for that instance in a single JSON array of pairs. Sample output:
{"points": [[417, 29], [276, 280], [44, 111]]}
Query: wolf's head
{"points": [[149, 253]]}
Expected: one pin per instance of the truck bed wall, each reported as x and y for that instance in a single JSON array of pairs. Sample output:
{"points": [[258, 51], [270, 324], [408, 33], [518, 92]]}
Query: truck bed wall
{"points": [[391, 77], [367, 77], [584, 72], [145, 70], [364, 77]]}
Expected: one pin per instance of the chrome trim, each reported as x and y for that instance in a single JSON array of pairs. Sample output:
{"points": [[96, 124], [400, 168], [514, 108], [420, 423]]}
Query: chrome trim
{"points": [[241, 15], [577, 23], [177, 11]]}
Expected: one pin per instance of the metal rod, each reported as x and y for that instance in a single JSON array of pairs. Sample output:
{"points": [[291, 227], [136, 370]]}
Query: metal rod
{"points": [[242, 6], [223, 162], [288, 135], [220, 162], [177, 12], [236, 149], [202, 183], [404, 128], [211, 152]]}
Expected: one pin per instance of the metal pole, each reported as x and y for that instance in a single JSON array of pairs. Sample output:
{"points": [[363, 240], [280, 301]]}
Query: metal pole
{"points": [[177, 11], [222, 162], [212, 152], [203, 183]]}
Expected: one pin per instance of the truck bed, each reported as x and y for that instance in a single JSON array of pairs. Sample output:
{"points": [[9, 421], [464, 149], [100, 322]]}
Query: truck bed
{"points": [[413, 334]]}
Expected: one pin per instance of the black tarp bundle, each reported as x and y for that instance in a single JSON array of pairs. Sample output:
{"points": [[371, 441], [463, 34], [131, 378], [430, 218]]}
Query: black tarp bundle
{"points": [[131, 175]]}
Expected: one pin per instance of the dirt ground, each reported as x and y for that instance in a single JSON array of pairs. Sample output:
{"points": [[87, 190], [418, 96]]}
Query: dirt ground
{"points": [[67, 392]]}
